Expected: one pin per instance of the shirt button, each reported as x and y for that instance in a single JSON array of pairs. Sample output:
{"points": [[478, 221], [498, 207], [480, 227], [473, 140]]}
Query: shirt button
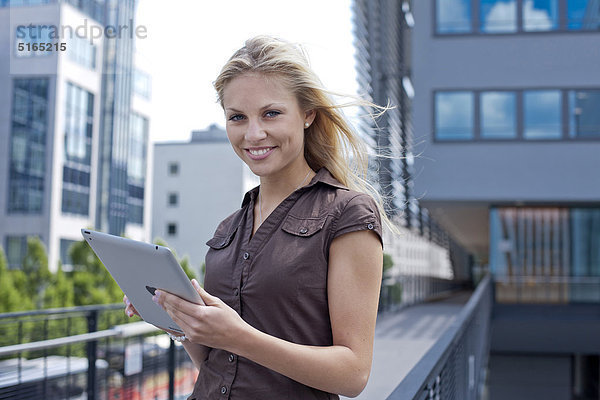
{"points": [[236, 292], [303, 230], [231, 358], [223, 390], [370, 226], [246, 256]]}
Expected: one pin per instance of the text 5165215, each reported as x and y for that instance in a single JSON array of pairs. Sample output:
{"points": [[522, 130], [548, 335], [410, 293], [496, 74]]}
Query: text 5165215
{"points": [[42, 46]]}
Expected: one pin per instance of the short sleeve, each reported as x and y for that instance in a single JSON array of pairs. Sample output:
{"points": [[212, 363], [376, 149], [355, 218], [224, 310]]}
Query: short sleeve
{"points": [[360, 213]]}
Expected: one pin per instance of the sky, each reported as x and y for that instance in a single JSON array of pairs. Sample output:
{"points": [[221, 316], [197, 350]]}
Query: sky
{"points": [[188, 41]]}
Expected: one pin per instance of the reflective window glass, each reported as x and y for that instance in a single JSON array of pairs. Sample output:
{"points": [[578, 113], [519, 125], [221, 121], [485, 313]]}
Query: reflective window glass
{"points": [[583, 14], [540, 15], [498, 16], [453, 16], [498, 115], [16, 247], [542, 114], [454, 115], [27, 146], [584, 113], [78, 122]]}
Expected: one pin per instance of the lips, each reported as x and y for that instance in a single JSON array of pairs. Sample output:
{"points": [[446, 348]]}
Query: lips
{"points": [[259, 153]]}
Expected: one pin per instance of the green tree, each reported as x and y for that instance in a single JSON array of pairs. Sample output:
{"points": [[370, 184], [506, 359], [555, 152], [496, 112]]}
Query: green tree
{"points": [[35, 268], [10, 298], [60, 291]]}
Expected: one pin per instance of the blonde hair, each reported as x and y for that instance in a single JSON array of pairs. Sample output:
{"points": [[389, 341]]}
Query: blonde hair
{"points": [[330, 141]]}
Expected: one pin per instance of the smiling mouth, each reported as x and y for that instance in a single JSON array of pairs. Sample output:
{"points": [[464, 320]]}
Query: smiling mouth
{"points": [[260, 152]]}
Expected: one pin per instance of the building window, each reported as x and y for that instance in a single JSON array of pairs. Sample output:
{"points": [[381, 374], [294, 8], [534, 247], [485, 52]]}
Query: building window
{"points": [[543, 254], [75, 201], [498, 16], [28, 146], [454, 115], [549, 114], [515, 16], [584, 113], [583, 15], [65, 257], [453, 16], [173, 168], [542, 114], [82, 51], [540, 15], [498, 115], [136, 168], [79, 118], [16, 248], [173, 199], [171, 229], [142, 84]]}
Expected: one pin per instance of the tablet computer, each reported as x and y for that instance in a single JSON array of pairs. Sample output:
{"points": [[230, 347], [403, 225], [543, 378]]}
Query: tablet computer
{"points": [[139, 269]]}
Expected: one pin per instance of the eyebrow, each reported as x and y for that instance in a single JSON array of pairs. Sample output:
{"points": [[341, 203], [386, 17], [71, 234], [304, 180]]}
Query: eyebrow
{"points": [[271, 105]]}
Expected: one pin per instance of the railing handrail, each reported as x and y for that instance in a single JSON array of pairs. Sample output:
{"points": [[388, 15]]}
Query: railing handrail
{"points": [[63, 310], [425, 369], [133, 329]]}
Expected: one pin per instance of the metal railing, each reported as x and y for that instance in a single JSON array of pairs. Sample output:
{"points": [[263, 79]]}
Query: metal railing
{"points": [[116, 362], [406, 290], [454, 368]]}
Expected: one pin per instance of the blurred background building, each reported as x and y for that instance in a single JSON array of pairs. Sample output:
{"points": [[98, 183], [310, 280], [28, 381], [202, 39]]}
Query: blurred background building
{"points": [[504, 116], [73, 126], [196, 184]]}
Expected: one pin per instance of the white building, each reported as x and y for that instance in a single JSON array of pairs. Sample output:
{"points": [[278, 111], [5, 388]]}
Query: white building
{"points": [[66, 124], [196, 184]]}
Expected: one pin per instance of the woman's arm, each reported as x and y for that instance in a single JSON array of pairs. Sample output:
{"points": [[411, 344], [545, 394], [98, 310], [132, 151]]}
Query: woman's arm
{"points": [[197, 352], [354, 279]]}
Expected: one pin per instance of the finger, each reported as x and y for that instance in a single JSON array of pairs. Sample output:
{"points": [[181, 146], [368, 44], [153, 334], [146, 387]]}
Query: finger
{"points": [[208, 299]]}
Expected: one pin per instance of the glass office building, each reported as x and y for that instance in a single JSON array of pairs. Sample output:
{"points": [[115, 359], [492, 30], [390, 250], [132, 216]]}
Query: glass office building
{"points": [[75, 141]]}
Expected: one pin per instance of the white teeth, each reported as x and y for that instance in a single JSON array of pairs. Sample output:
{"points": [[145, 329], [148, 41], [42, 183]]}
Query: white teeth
{"points": [[258, 152]]}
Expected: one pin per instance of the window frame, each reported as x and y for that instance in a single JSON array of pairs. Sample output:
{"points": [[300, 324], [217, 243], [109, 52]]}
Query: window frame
{"points": [[519, 93], [563, 22]]}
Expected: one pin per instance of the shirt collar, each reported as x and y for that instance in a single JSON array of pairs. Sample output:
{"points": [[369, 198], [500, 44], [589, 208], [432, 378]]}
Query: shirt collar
{"points": [[323, 176]]}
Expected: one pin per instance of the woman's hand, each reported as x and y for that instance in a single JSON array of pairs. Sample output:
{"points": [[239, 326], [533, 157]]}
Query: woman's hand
{"points": [[129, 308], [214, 325]]}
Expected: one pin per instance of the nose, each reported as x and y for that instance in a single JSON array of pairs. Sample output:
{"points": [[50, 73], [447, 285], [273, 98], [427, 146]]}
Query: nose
{"points": [[254, 131]]}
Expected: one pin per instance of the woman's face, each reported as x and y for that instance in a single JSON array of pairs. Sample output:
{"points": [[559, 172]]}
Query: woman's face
{"points": [[265, 124]]}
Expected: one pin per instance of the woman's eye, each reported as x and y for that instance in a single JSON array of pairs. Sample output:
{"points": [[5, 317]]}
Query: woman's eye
{"points": [[272, 114], [236, 117]]}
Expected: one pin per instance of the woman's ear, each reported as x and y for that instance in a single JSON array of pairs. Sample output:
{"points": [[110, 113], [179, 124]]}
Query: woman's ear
{"points": [[309, 116]]}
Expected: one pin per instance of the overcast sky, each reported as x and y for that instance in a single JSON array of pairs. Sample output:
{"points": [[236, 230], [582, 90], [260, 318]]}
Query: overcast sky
{"points": [[188, 41]]}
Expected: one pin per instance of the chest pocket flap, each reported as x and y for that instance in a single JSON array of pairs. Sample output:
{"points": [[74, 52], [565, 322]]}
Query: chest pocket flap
{"points": [[219, 242], [303, 226]]}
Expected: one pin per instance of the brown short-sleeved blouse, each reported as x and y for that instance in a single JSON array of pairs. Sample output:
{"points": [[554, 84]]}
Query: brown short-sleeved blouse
{"points": [[277, 281]]}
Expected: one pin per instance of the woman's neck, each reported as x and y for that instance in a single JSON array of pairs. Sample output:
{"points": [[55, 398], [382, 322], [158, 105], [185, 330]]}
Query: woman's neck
{"points": [[274, 189]]}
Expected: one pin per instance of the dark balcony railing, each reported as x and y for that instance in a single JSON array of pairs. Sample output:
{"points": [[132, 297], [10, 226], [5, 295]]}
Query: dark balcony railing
{"points": [[454, 368], [79, 352]]}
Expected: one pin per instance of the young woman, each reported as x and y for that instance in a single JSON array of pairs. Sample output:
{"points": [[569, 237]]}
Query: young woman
{"points": [[292, 277]]}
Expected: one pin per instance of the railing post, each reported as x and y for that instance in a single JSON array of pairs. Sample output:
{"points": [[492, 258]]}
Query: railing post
{"points": [[172, 370], [92, 354]]}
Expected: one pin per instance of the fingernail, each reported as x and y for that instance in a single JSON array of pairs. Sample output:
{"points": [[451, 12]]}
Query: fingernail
{"points": [[127, 302], [196, 284]]}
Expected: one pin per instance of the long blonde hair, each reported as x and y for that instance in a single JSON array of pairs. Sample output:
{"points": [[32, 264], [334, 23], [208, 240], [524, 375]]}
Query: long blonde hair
{"points": [[330, 141]]}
